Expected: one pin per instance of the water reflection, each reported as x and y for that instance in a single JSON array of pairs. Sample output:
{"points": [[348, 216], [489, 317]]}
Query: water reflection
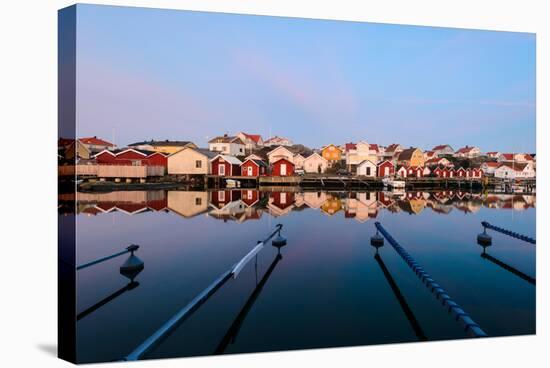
{"points": [[250, 204]]}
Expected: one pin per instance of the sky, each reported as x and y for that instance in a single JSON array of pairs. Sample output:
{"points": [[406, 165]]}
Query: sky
{"points": [[169, 74]]}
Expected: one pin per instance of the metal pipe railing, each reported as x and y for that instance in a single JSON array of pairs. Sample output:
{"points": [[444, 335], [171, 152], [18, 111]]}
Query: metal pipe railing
{"points": [[170, 325], [525, 238], [132, 248], [469, 325]]}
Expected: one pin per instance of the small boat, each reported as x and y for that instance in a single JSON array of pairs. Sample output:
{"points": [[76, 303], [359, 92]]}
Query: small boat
{"points": [[231, 183], [394, 184]]}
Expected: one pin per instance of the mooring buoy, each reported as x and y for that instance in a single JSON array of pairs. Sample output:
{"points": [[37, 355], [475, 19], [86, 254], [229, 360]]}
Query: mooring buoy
{"points": [[279, 241], [377, 240], [133, 265], [484, 239]]}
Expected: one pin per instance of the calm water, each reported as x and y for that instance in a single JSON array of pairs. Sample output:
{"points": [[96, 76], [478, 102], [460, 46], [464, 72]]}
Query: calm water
{"points": [[327, 290]]}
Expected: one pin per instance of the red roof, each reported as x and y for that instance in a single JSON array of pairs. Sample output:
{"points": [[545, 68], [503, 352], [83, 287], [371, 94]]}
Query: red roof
{"points": [[465, 149], [95, 141], [350, 146], [508, 156], [374, 147], [492, 164], [440, 147], [63, 142], [255, 137], [392, 147]]}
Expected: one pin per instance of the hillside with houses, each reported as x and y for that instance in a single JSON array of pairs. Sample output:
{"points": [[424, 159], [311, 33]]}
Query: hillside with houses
{"points": [[247, 155]]}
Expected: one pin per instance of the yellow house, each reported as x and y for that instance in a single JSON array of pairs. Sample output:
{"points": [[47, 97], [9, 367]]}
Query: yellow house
{"points": [[331, 153], [77, 150], [411, 157], [165, 146]]}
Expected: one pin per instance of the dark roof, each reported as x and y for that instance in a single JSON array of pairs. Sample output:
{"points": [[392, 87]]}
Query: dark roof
{"points": [[257, 162], [406, 154], [226, 139], [166, 143], [206, 152]]}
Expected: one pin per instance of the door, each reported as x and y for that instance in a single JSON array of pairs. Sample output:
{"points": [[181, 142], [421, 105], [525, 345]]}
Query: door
{"points": [[249, 170], [283, 169], [221, 170]]}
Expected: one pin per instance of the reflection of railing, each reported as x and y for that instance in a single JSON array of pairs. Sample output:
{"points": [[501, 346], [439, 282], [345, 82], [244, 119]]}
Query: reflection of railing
{"points": [[129, 269], [458, 313], [169, 326], [509, 268], [401, 299], [231, 334]]}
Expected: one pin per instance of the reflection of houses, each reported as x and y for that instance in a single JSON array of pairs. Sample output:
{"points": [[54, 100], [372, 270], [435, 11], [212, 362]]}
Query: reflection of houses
{"points": [[220, 198], [280, 203], [234, 210], [412, 206], [187, 203], [361, 206], [332, 205], [314, 199], [129, 202]]}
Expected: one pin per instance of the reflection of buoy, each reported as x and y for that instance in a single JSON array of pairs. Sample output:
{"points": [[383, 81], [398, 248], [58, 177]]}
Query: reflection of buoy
{"points": [[484, 239], [133, 265], [377, 240], [279, 241]]}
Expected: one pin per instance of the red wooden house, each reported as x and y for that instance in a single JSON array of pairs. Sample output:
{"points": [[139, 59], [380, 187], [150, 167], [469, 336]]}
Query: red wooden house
{"points": [[385, 168], [253, 167], [131, 156], [448, 173], [225, 165], [476, 173], [415, 172], [283, 167], [461, 172], [438, 172]]}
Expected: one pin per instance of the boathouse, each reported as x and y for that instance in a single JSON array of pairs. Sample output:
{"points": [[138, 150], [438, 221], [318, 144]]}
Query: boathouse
{"points": [[283, 167], [366, 168], [225, 165], [385, 168], [315, 164], [190, 161], [253, 168]]}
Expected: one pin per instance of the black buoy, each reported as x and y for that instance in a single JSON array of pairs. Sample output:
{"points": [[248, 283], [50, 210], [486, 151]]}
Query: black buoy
{"points": [[133, 265], [279, 241], [484, 239], [377, 240]]}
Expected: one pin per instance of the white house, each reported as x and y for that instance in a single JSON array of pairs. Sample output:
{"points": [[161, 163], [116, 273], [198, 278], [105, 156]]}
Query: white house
{"points": [[277, 141], [509, 170], [402, 172], [438, 161], [227, 145], [315, 163], [190, 161], [467, 152], [251, 141], [356, 154], [489, 168], [299, 161], [366, 168], [443, 149], [279, 153]]}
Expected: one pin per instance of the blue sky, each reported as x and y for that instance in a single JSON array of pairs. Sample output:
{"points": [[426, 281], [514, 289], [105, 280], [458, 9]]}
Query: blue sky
{"points": [[166, 74]]}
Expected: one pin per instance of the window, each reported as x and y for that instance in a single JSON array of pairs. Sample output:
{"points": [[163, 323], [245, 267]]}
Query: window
{"points": [[198, 201], [368, 171], [198, 164], [240, 150]]}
